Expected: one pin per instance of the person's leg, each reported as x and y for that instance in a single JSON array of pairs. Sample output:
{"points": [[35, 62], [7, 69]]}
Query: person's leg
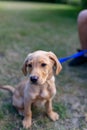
{"points": [[82, 32], [82, 28]]}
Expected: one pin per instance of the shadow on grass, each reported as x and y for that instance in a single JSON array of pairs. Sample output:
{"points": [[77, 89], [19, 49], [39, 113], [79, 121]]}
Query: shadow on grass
{"points": [[51, 14]]}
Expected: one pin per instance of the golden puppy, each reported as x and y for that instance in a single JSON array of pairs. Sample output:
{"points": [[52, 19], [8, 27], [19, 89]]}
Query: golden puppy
{"points": [[39, 87]]}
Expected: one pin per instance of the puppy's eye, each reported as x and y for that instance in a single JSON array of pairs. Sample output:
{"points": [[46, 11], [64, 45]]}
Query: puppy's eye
{"points": [[43, 64], [30, 65]]}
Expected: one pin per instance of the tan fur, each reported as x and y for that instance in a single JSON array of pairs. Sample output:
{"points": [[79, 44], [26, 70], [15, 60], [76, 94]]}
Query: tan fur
{"points": [[41, 93]]}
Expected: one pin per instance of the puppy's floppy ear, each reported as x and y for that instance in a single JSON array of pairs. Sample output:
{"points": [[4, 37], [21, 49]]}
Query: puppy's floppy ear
{"points": [[56, 64], [24, 67]]}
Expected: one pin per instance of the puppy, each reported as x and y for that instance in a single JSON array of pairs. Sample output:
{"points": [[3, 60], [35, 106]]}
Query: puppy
{"points": [[39, 87]]}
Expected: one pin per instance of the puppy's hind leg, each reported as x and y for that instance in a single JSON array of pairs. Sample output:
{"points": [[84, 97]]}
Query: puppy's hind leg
{"points": [[18, 103]]}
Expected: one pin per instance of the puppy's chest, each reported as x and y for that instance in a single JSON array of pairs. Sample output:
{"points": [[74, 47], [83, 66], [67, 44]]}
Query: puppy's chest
{"points": [[43, 96]]}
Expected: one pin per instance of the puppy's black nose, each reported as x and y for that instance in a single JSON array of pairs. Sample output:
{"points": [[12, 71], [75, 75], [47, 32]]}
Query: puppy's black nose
{"points": [[33, 79]]}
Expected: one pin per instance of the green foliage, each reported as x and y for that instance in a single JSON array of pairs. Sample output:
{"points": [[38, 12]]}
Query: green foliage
{"points": [[1, 114], [61, 109], [61, 1], [9, 126], [84, 4], [8, 108], [50, 1]]}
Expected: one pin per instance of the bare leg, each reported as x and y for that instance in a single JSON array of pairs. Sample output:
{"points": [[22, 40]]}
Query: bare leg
{"points": [[52, 115], [82, 31], [82, 28]]}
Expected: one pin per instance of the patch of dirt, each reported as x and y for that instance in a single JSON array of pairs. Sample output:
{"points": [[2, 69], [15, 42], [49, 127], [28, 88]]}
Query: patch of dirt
{"points": [[74, 97]]}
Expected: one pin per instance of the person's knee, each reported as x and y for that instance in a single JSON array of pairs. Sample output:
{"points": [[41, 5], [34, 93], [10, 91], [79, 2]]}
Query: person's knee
{"points": [[82, 17]]}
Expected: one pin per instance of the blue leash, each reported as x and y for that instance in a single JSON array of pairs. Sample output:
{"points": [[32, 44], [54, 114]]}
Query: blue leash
{"points": [[81, 53]]}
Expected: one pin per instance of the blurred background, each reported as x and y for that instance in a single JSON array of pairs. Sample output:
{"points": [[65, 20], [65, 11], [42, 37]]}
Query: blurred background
{"points": [[50, 25]]}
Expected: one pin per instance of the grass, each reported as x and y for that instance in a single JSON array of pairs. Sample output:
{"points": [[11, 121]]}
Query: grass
{"points": [[26, 27], [61, 109]]}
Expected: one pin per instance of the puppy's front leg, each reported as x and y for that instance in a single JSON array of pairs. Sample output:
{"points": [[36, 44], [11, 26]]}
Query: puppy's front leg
{"points": [[27, 114], [52, 115]]}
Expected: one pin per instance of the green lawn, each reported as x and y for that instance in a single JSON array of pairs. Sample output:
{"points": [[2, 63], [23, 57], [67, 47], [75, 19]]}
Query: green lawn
{"points": [[26, 27]]}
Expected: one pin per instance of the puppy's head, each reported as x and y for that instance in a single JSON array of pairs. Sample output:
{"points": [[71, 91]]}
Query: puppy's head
{"points": [[40, 66]]}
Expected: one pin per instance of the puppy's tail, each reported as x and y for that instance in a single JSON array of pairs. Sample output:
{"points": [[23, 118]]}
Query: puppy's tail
{"points": [[8, 87]]}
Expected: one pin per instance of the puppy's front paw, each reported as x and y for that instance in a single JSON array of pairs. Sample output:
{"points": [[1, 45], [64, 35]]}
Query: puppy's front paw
{"points": [[53, 116], [27, 123]]}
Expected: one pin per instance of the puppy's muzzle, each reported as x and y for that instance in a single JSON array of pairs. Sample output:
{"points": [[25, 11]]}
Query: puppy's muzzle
{"points": [[34, 79]]}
